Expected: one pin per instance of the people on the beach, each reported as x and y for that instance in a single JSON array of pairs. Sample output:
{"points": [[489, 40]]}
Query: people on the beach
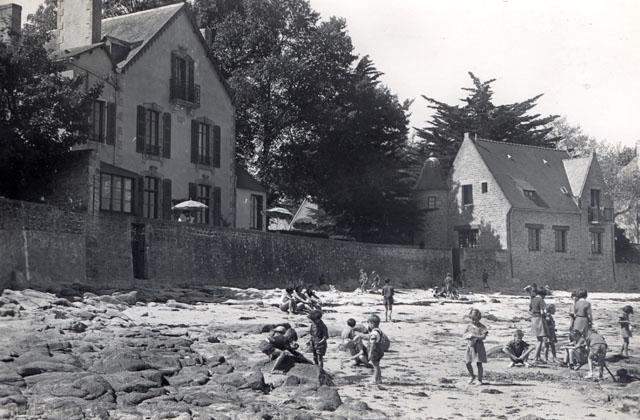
{"points": [[312, 298], [475, 334], [597, 351], [537, 308], [485, 278], [448, 284], [518, 350], [283, 340], [288, 301], [551, 339], [575, 351], [387, 295], [625, 329], [364, 279], [583, 318], [377, 343], [375, 282], [319, 335]]}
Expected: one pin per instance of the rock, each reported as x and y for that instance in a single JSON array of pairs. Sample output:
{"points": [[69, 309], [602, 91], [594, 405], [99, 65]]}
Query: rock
{"points": [[171, 303], [8, 376], [199, 399], [252, 380], [166, 364], [7, 312], [310, 374], [76, 326], [84, 314], [135, 398], [190, 375], [130, 382], [324, 398], [35, 368], [495, 352], [353, 409], [61, 302], [490, 317], [494, 300], [221, 369], [93, 386], [490, 391], [118, 359], [213, 339], [129, 298]]}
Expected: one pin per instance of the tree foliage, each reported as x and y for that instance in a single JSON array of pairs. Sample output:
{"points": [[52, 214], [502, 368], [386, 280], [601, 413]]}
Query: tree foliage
{"points": [[42, 113], [479, 116]]}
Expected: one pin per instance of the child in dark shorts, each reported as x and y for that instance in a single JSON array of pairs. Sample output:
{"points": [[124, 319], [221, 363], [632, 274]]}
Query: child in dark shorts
{"points": [[518, 350], [551, 339], [387, 294], [375, 348], [319, 334]]}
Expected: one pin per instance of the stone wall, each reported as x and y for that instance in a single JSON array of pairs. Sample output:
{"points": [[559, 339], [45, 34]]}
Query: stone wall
{"points": [[48, 247]]}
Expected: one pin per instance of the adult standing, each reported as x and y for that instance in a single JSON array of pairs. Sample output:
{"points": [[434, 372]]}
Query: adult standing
{"points": [[536, 309], [582, 312]]}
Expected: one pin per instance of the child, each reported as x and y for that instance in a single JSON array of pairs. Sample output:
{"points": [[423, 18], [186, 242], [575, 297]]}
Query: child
{"points": [[282, 340], [597, 351], [518, 350], [375, 347], [576, 351], [387, 294], [319, 334], [287, 302], [551, 339], [475, 333], [363, 280], [313, 298], [625, 327]]}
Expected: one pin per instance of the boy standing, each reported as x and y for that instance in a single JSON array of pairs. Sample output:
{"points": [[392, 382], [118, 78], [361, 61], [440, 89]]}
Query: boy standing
{"points": [[375, 347], [387, 294], [319, 334], [518, 350]]}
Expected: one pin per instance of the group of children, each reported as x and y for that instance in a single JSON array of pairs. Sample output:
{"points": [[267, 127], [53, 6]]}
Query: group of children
{"points": [[586, 345], [297, 299]]}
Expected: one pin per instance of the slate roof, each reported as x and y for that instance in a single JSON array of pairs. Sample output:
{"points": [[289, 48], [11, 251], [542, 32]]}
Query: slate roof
{"points": [[140, 27], [431, 178], [519, 167], [246, 181]]}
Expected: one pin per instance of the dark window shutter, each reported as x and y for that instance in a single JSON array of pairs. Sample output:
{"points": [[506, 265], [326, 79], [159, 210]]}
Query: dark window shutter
{"points": [[111, 123], [140, 126], [174, 64], [190, 81], [193, 192], [216, 146], [166, 135], [139, 197], [217, 206], [166, 199], [194, 141]]}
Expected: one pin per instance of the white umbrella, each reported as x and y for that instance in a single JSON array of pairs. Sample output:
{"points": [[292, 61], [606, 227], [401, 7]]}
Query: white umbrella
{"points": [[189, 205], [280, 210]]}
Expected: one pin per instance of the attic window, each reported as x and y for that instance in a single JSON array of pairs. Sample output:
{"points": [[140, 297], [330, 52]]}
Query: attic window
{"points": [[530, 194]]}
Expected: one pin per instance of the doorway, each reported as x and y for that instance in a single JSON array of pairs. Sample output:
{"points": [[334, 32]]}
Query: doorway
{"points": [[138, 250]]}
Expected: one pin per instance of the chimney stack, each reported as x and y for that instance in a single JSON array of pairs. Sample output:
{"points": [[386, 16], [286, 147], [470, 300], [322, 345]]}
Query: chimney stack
{"points": [[79, 23], [10, 22]]}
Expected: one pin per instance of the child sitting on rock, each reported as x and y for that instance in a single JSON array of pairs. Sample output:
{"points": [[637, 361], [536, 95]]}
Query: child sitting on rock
{"points": [[518, 350], [282, 340], [625, 329], [319, 335]]}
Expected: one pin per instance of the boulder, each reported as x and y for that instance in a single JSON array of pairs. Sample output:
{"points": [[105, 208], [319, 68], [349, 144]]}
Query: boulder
{"points": [[310, 374], [118, 359], [167, 364], [76, 327], [34, 368], [8, 376], [135, 398], [247, 380], [130, 382], [324, 398], [190, 375], [353, 409], [129, 298]]}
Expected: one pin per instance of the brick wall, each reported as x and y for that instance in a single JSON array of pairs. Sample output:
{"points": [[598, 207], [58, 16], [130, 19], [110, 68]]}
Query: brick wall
{"points": [[48, 247]]}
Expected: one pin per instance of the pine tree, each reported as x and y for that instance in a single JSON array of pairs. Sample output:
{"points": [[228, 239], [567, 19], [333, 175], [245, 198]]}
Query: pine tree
{"points": [[479, 116]]}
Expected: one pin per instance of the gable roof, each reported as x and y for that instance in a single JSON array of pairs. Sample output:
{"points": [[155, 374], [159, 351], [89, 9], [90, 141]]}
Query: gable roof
{"points": [[245, 181], [577, 171], [431, 177], [519, 167]]}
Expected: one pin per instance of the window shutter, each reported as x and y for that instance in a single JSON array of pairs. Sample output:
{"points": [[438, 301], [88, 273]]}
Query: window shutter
{"points": [[166, 135], [111, 123], [217, 206], [174, 72], [193, 192], [166, 199], [190, 83], [138, 198], [140, 126], [194, 141], [216, 146]]}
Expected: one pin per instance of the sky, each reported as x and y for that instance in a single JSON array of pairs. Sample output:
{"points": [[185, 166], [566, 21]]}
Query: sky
{"points": [[584, 56]]}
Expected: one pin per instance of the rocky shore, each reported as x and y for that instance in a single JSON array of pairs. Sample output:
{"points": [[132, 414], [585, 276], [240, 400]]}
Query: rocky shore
{"points": [[193, 354]]}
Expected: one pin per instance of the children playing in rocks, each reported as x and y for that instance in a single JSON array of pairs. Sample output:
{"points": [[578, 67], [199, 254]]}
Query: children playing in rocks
{"points": [[475, 333], [518, 350], [282, 340], [319, 335], [625, 329], [387, 295], [590, 346], [352, 342]]}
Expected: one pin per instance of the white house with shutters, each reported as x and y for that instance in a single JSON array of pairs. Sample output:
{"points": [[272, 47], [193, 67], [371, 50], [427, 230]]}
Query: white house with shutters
{"points": [[163, 126]]}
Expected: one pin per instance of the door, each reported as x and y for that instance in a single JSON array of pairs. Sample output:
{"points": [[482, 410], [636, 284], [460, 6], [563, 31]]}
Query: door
{"points": [[456, 255], [138, 249]]}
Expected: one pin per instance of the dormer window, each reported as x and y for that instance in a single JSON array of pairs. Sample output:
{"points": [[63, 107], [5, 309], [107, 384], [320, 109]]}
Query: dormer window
{"points": [[530, 194], [183, 88]]}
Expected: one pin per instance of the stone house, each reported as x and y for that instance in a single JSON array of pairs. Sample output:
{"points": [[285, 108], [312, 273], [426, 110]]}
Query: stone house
{"points": [[163, 127], [527, 213]]}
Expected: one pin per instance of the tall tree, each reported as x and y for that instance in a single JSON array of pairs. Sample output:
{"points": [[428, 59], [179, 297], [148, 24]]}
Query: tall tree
{"points": [[480, 116], [43, 113]]}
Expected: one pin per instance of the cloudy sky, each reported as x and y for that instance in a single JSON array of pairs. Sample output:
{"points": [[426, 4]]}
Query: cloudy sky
{"points": [[583, 55]]}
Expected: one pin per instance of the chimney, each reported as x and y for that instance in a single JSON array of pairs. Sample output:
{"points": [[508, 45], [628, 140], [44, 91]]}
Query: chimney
{"points": [[207, 34], [79, 23], [10, 22]]}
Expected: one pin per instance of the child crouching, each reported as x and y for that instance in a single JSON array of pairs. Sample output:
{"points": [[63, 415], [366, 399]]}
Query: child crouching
{"points": [[518, 350]]}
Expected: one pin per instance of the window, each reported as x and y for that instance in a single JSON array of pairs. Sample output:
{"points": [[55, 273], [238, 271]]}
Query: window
{"points": [[432, 202], [204, 144], [98, 121], [561, 239], [596, 242], [534, 238], [150, 197], [115, 193], [256, 212], [467, 195], [182, 79], [204, 194], [152, 130], [468, 238], [530, 194], [485, 187], [595, 198]]}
